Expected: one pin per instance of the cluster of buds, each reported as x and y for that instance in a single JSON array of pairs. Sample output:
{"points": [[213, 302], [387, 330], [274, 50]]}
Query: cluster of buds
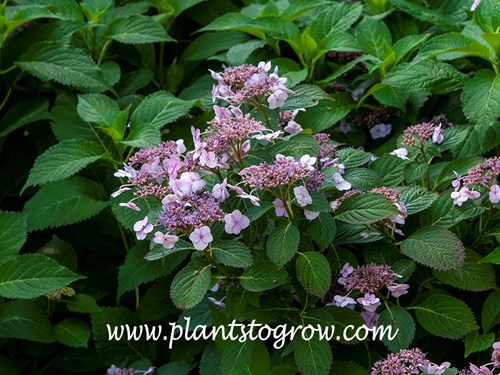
{"points": [[113, 370], [367, 280], [408, 362], [482, 176], [417, 135], [250, 83]]}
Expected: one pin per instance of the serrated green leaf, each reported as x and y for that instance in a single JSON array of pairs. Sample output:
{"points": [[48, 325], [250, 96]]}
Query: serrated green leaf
{"points": [[365, 209], [13, 234], [428, 75], [486, 15], [157, 251], [313, 272], [401, 321], [362, 178], [481, 98], [493, 257], [323, 229], [313, 357], [209, 44], [25, 320], [66, 124], [82, 303], [33, 275], [389, 96], [472, 276], [435, 247], [72, 332], [136, 270], [60, 251], [63, 160], [234, 21], [374, 37], [350, 368], [445, 316], [235, 356], [417, 199], [390, 170], [490, 315], [232, 253], [190, 286], [137, 29], [282, 244], [443, 18], [452, 46], [351, 157], [155, 111], [64, 64], [403, 268], [64, 202], [263, 276], [305, 96], [326, 113], [97, 108], [475, 343], [239, 54], [296, 146]]}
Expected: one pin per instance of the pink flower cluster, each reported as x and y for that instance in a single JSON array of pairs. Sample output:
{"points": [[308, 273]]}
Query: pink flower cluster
{"points": [[367, 279], [482, 176], [407, 362], [250, 83], [421, 133]]}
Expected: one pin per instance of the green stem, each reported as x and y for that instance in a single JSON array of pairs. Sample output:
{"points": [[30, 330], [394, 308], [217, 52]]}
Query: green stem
{"points": [[137, 298], [103, 51], [8, 69]]}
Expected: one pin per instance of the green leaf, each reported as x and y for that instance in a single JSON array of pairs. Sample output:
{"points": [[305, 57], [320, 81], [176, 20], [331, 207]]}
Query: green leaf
{"points": [[305, 96], [209, 44], [435, 247], [493, 257], [60, 251], [136, 270], [476, 343], [72, 332], [362, 178], [481, 98], [33, 275], [64, 64], [350, 368], [239, 54], [437, 77], [443, 18], [445, 316], [389, 96], [417, 199], [323, 229], [63, 160], [490, 315], [190, 286], [296, 146], [400, 320], [282, 243], [157, 251], [25, 320], [472, 276], [22, 113], [13, 234], [487, 16], [155, 111], [235, 356], [232, 253], [313, 272], [374, 37], [97, 108], [452, 46], [137, 29], [263, 276], [404, 268], [365, 209], [313, 357], [82, 303], [64, 202], [390, 170], [351, 157], [326, 113], [233, 21]]}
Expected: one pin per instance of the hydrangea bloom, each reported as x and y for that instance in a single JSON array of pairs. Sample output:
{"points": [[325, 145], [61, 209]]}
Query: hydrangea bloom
{"points": [[142, 228], [380, 131], [302, 196], [401, 153], [201, 237], [167, 240], [235, 222]]}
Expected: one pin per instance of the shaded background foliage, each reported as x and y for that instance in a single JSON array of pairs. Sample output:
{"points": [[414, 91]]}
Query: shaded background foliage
{"points": [[84, 84]]}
